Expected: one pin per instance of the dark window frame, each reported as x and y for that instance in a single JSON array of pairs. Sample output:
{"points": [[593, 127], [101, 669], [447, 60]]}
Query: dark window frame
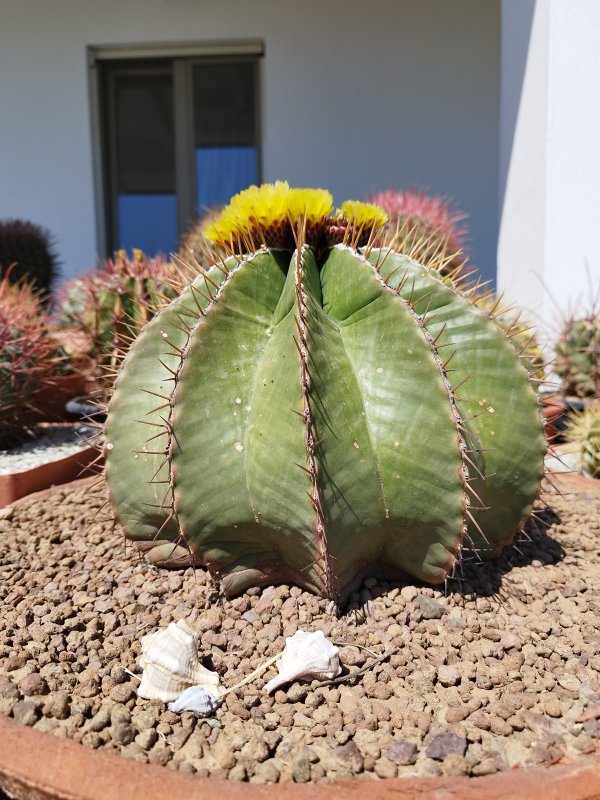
{"points": [[106, 64]]}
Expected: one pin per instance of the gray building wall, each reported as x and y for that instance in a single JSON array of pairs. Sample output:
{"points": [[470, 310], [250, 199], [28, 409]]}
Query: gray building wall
{"points": [[355, 96]]}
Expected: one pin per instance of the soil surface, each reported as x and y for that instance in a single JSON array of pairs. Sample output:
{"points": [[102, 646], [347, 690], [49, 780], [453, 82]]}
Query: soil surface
{"points": [[503, 671]]}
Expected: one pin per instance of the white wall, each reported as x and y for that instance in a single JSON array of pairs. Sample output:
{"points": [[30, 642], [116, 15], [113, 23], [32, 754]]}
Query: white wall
{"points": [[356, 95], [549, 244]]}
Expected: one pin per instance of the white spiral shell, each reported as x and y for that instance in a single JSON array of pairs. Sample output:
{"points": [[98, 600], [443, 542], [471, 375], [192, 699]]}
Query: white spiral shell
{"points": [[170, 664], [306, 656], [198, 700]]}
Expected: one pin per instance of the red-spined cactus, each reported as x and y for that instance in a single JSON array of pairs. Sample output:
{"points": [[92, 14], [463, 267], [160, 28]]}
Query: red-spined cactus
{"points": [[428, 228], [28, 359], [314, 414]]}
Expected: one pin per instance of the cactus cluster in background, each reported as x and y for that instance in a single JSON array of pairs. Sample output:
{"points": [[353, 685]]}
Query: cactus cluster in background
{"points": [[314, 409], [104, 309], [428, 228], [28, 359], [577, 361], [27, 253], [583, 433]]}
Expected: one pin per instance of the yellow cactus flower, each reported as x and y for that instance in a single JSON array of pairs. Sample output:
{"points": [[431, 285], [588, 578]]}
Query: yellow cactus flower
{"points": [[267, 214], [364, 215], [315, 204]]}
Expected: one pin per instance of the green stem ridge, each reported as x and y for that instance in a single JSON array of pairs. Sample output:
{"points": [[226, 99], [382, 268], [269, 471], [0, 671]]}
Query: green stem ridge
{"points": [[323, 559]]}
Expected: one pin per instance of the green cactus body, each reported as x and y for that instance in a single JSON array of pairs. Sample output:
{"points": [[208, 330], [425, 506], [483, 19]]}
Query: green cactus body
{"points": [[320, 416], [577, 360], [583, 434]]}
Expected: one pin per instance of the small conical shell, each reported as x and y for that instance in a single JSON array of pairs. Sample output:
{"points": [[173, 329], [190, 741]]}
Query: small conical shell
{"points": [[306, 656], [198, 700], [170, 664]]}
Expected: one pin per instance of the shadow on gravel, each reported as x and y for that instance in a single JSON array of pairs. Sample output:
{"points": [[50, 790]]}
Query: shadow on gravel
{"points": [[479, 578], [484, 578]]}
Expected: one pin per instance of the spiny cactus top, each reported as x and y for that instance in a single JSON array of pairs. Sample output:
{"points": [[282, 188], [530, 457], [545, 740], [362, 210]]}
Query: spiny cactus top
{"points": [[314, 412]]}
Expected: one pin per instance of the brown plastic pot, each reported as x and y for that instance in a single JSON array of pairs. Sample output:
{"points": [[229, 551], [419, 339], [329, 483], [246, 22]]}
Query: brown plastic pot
{"points": [[39, 766], [16, 485]]}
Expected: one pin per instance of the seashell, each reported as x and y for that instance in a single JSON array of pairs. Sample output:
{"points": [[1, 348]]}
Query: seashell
{"points": [[198, 700], [170, 664], [306, 656]]}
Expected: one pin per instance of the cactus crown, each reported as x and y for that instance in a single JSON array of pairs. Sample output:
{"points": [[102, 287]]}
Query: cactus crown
{"points": [[317, 412], [271, 215]]}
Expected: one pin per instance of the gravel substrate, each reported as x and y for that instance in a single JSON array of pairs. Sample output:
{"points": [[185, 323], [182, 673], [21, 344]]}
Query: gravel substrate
{"points": [[504, 674], [48, 443]]}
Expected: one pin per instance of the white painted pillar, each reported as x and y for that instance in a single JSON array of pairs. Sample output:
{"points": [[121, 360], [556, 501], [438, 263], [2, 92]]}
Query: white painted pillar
{"points": [[549, 244]]}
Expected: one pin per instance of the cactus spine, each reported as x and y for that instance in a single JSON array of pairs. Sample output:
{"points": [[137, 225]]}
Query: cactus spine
{"points": [[316, 414]]}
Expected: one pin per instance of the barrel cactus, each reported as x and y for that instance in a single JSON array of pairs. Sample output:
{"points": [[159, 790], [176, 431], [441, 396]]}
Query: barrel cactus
{"points": [[577, 360], [28, 359], [315, 412], [429, 228]]}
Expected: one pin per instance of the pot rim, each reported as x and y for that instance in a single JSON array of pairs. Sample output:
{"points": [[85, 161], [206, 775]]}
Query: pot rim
{"points": [[39, 766]]}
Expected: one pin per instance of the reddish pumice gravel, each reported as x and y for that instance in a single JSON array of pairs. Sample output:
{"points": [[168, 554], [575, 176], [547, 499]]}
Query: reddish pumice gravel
{"points": [[503, 673]]}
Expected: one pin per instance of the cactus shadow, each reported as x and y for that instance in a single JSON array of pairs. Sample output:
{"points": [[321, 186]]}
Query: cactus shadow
{"points": [[479, 578]]}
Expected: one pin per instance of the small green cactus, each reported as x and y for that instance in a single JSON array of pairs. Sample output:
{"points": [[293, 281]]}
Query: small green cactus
{"points": [[313, 413], [107, 307], [577, 361], [583, 432], [28, 359]]}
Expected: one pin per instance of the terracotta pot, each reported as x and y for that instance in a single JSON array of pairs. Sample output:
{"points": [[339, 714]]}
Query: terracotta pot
{"points": [[20, 484], [51, 401], [573, 483], [554, 410], [39, 766]]}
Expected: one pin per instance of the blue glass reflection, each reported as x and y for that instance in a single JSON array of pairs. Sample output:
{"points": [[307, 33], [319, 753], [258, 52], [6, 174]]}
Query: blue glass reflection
{"points": [[222, 172], [148, 221]]}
